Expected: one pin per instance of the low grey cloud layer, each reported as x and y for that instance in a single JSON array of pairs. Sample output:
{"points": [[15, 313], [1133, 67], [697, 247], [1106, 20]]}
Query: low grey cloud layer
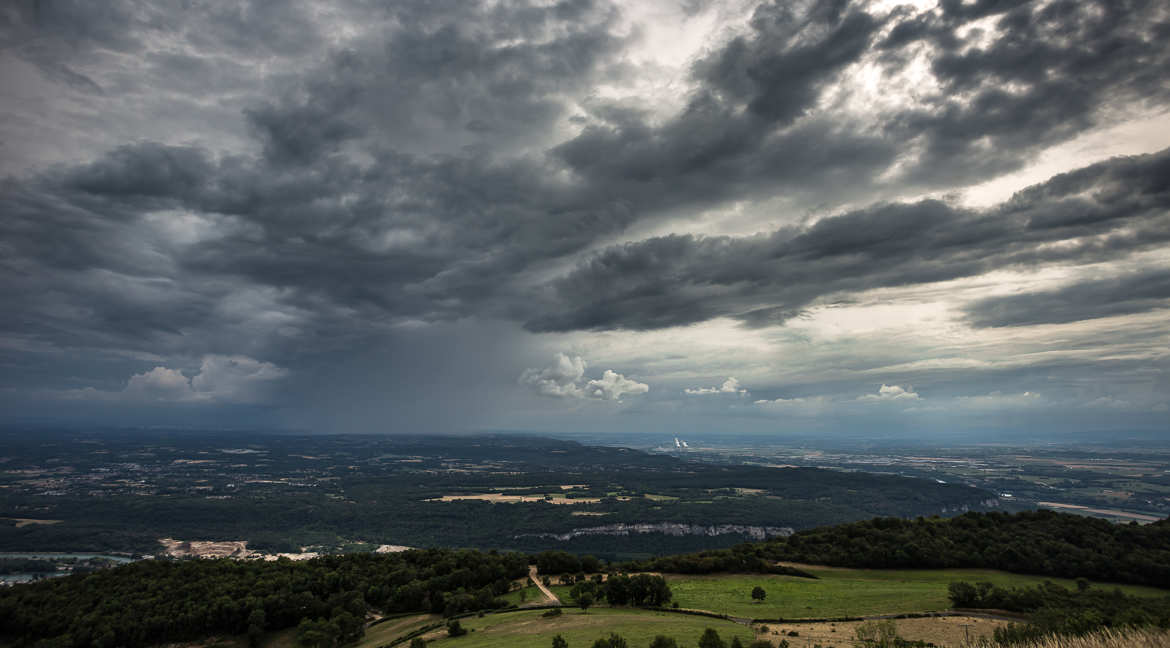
{"points": [[220, 204], [1100, 213]]}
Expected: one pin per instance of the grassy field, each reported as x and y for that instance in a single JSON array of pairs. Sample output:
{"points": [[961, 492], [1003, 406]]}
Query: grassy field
{"points": [[383, 633], [940, 631], [562, 592], [844, 592], [532, 596], [531, 630]]}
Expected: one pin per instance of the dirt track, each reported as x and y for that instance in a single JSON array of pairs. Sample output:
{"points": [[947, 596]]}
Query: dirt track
{"points": [[552, 598]]}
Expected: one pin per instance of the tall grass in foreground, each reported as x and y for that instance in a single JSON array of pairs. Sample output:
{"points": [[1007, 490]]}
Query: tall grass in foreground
{"points": [[1108, 638]]}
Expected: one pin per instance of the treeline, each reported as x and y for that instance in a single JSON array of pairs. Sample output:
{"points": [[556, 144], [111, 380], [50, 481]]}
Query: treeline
{"points": [[151, 602], [1053, 609], [743, 558], [1035, 542], [551, 563], [640, 590]]}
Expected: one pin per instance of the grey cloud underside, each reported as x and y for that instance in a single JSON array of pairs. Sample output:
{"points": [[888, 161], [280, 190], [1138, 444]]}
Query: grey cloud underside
{"points": [[1133, 293], [432, 169], [754, 125], [1104, 212]]}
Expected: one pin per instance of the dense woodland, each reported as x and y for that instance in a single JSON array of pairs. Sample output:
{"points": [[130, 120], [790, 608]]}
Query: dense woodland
{"points": [[1038, 542], [327, 599], [1053, 609], [151, 602]]}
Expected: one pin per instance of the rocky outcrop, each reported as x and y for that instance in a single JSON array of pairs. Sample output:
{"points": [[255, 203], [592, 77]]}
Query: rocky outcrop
{"points": [[668, 528]]}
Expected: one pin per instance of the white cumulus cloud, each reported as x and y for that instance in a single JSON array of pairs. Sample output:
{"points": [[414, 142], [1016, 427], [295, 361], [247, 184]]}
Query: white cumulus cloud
{"points": [[891, 393], [221, 379], [796, 406], [235, 378], [565, 378], [729, 386], [159, 384]]}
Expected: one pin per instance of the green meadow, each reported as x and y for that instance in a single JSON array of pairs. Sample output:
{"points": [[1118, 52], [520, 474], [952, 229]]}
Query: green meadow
{"points": [[638, 627], [845, 592]]}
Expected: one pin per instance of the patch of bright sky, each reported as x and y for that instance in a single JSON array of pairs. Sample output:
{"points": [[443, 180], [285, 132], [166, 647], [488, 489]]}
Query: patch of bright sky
{"points": [[885, 334], [667, 40], [1147, 133], [715, 348]]}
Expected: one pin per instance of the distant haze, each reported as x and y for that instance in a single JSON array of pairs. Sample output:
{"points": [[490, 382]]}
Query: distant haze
{"points": [[811, 219]]}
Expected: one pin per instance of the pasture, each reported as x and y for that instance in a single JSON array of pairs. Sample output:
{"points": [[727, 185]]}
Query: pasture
{"points": [[531, 630], [845, 592]]}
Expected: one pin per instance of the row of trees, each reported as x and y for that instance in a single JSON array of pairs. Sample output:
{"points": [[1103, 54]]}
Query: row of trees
{"points": [[742, 558], [640, 590]]}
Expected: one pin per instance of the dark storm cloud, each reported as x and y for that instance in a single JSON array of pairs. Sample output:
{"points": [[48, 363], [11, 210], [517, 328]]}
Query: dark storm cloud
{"points": [[338, 246], [1049, 70], [779, 71], [1046, 75], [438, 161], [1103, 212], [1136, 293], [419, 235], [736, 135], [441, 77], [48, 31]]}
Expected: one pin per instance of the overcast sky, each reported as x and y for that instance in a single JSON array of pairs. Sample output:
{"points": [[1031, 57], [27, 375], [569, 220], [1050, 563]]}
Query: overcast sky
{"points": [[686, 217]]}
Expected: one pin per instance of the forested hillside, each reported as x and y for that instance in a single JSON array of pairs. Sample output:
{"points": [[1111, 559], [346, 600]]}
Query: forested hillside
{"points": [[152, 602], [1038, 542]]}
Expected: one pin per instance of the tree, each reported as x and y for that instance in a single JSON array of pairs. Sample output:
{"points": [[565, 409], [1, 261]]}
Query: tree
{"points": [[559, 642], [418, 642], [256, 622], [456, 629], [736, 643], [585, 600], [318, 633], [963, 594], [663, 641], [349, 626], [613, 641], [617, 589], [711, 639], [758, 594]]}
